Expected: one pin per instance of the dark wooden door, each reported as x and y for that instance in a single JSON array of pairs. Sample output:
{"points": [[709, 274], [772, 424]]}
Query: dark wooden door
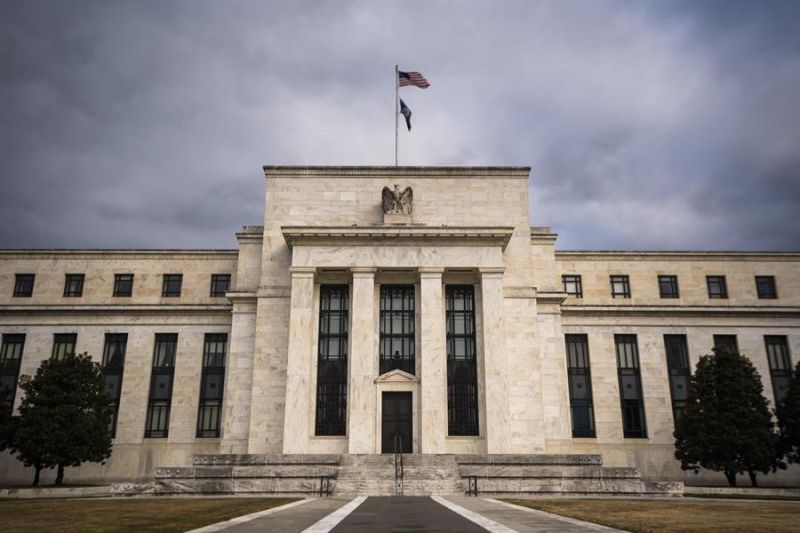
{"points": [[396, 421]]}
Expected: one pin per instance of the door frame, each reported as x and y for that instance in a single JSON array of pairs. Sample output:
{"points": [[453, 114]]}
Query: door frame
{"points": [[397, 381]]}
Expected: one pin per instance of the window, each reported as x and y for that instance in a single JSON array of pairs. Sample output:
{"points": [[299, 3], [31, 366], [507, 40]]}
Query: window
{"points": [[716, 287], [10, 358], [212, 385], [161, 379], [572, 285], [630, 387], [679, 372], [668, 286], [727, 342], [462, 375], [73, 286], [220, 283], [113, 366], [172, 285], [580, 386], [765, 287], [332, 360], [64, 345], [123, 285], [620, 287], [397, 328], [780, 365], [23, 285]]}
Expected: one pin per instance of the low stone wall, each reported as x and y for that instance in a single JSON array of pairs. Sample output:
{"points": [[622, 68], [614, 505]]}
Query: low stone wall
{"points": [[754, 492], [57, 492]]}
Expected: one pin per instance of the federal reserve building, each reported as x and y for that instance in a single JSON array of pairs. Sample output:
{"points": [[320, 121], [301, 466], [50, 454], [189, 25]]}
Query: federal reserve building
{"points": [[385, 312]]}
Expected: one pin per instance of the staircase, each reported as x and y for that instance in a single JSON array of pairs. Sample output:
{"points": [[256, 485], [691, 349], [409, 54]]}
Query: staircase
{"points": [[366, 475]]}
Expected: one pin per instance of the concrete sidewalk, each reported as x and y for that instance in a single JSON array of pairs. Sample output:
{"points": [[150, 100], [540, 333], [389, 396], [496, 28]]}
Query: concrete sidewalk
{"points": [[525, 520], [293, 519]]}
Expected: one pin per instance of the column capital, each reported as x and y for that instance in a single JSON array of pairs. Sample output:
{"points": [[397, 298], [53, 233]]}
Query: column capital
{"points": [[363, 272], [491, 271], [430, 272], [303, 272]]}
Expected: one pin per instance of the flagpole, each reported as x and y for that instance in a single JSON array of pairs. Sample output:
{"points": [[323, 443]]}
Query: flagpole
{"points": [[396, 110]]}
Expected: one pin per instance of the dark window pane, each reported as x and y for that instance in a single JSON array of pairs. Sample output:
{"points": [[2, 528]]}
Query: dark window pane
{"points": [[668, 286], [397, 328], [630, 387], [23, 285], [113, 366], [679, 372], [727, 342], [73, 286], [331, 408], [10, 358], [123, 285], [64, 345], [765, 287], [172, 285], [462, 377], [780, 364], [716, 287], [161, 380], [212, 383], [580, 385], [220, 283]]}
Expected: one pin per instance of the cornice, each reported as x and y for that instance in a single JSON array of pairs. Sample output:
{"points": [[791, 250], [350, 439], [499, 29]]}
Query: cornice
{"points": [[202, 255], [141, 309], [274, 171], [610, 255], [693, 310], [397, 236]]}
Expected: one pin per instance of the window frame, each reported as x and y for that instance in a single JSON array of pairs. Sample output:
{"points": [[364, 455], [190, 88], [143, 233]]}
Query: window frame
{"points": [[463, 403], [723, 341], [113, 372], [406, 336], [671, 283], [215, 282], [582, 373], [119, 279], [631, 369], [676, 347], [781, 372], [772, 289], [20, 284], [162, 372], [63, 339], [625, 280], [332, 372], [10, 367], [73, 285], [722, 286], [209, 407], [167, 290], [578, 283]]}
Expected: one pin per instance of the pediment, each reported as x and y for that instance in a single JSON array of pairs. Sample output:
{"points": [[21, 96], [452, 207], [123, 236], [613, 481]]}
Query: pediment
{"points": [[396, 376]]}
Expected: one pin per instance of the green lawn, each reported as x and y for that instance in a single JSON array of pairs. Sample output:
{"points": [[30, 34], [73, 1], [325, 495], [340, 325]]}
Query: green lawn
{"points": [[677, 515], [134, 515]]}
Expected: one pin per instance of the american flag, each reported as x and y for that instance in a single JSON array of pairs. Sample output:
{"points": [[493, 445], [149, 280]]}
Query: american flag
{"points": [[412, 78]]}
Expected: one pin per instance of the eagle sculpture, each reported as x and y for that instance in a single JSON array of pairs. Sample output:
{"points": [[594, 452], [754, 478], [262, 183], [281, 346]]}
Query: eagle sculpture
{"points": [[397, 201]]}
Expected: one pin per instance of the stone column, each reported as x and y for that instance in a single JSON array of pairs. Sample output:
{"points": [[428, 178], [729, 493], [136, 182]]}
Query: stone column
{"points": [[300, 382], [239, 374], [498, 437], [433, 363], [362, 363]]}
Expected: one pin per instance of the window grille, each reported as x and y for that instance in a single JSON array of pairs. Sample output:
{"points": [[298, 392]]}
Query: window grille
{"points": [[580, 385], [397, 347], [331, 416], [462, 376]]}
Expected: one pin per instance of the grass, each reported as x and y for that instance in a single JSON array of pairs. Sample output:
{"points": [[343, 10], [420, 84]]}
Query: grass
{"points": [[128, 515], [676, 515]]}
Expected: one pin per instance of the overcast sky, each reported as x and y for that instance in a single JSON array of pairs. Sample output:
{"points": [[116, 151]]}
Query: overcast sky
{"points": [[649, 125]]}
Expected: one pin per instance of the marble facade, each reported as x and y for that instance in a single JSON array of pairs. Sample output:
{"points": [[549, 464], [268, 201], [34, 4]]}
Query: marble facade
{"points": [[468, 226]]}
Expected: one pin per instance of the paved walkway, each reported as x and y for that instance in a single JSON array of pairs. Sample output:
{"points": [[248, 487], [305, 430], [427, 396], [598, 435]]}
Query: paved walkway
{"points": [[409, 514]]}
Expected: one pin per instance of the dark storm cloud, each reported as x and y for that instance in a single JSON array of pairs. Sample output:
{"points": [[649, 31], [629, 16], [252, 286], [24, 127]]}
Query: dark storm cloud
{"points": [[648, 125]]}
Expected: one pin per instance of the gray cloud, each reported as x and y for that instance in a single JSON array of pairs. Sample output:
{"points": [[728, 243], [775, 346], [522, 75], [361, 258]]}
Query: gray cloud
{"points": [[648, 125]]}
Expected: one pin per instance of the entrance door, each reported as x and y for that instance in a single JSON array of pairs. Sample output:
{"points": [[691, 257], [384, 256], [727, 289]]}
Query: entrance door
{"points": [[396, 421]]}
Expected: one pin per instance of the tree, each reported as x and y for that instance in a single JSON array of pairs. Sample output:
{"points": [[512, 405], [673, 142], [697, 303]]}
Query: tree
{"points": [[64, 416], [789, 419], [727, 426]]}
